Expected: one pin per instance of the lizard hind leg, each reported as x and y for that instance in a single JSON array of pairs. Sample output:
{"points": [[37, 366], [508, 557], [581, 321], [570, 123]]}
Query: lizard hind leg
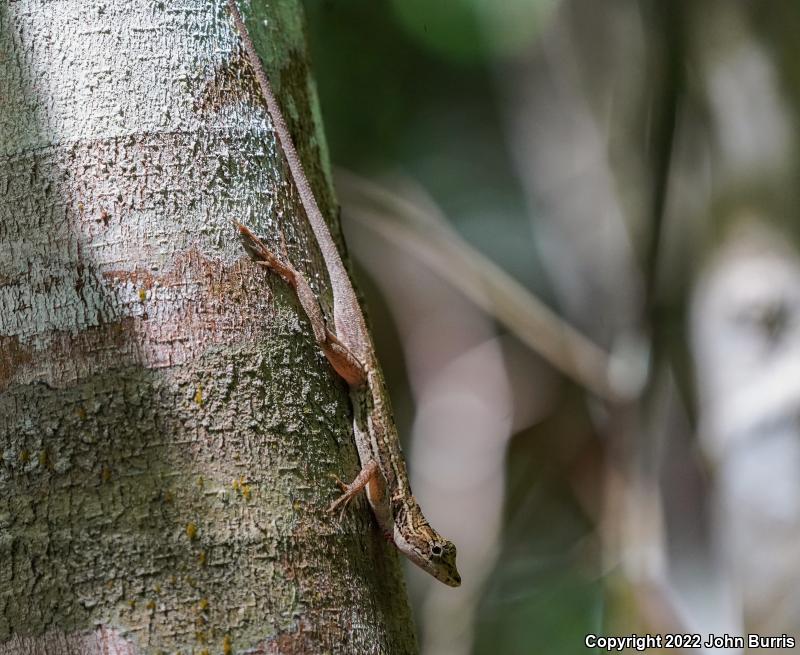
{"points": [[344, 362]]}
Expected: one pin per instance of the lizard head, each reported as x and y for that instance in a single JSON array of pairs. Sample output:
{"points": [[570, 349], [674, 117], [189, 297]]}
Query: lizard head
{"points": [[430, 551], [442, 562]]}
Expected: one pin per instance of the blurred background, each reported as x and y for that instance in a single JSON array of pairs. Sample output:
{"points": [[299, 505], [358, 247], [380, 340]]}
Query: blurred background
{"points": [[574, 223]]}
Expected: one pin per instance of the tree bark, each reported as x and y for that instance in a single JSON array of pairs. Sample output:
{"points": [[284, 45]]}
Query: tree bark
{"points": [[167, 424]]}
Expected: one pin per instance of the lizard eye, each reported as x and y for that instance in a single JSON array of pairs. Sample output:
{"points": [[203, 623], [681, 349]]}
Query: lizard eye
{"points": [[436, 550]]}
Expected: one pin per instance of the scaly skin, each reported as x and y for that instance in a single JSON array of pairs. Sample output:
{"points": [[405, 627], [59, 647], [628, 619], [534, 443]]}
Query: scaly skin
{"points": [[350, 351]]}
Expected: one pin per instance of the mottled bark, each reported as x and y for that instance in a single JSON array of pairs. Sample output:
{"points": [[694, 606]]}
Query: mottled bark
{"points": [[167, 425]]}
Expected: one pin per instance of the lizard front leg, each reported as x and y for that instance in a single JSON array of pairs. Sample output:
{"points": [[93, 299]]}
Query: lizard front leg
{"points": [[344, 362], [370, 480], [368, 476]]}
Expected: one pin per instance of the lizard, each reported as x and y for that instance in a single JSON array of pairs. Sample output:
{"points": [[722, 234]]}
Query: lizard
{"points": [[350, 351]]}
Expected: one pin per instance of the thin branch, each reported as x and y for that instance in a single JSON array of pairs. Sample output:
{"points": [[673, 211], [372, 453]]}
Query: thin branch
{"points": [[419, 228]]}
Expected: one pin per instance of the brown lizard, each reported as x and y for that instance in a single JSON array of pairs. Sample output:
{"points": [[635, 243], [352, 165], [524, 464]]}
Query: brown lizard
{"points": [[349, 350]]}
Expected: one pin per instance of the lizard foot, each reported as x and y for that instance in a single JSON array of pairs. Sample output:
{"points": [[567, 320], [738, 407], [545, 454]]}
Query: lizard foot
{"points": [[348, 493]]}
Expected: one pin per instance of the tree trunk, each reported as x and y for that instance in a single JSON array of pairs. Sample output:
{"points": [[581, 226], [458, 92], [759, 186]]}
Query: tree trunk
{"points": [[167, 424]]}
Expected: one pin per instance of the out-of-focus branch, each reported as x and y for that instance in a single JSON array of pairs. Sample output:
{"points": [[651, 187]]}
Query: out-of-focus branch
{"points": [[415, 224], [665, 103]]}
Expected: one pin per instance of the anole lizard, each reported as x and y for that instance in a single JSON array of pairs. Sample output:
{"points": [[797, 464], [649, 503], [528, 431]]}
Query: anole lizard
{"points": [[350, 351]]}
